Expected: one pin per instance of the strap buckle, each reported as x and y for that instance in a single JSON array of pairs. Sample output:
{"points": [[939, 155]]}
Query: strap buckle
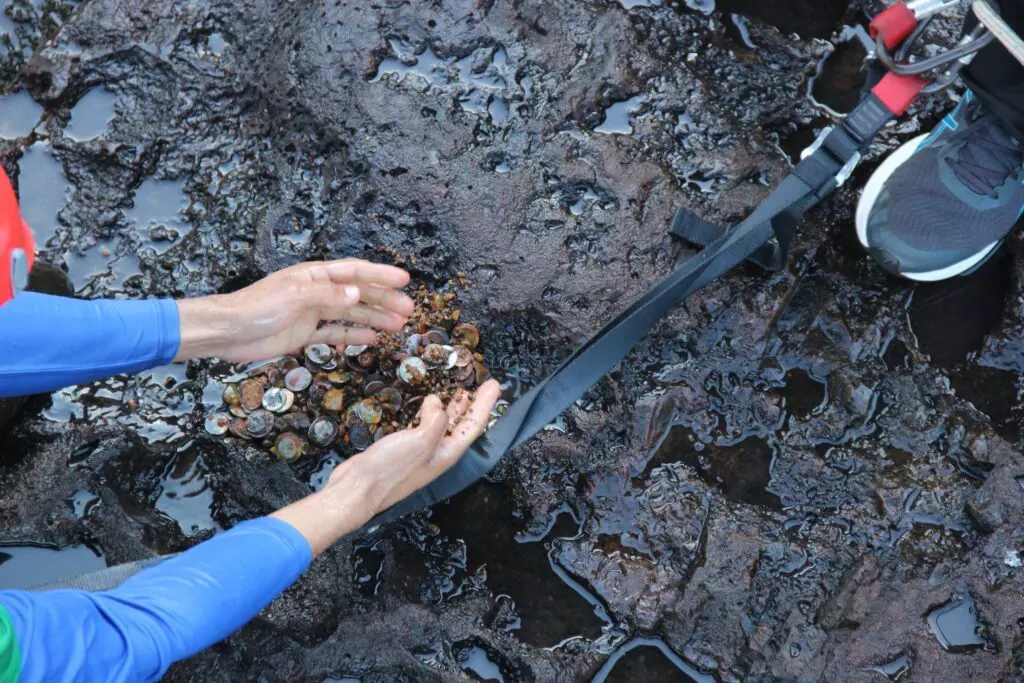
{"points": [[848, 168]]}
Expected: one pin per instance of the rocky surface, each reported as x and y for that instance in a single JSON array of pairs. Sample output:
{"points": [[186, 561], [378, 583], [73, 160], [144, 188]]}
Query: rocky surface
{"points": [[811, 475]]}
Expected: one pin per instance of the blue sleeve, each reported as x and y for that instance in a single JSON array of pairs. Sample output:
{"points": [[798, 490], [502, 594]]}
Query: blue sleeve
{"points": [[50, 342], [164, 614]]}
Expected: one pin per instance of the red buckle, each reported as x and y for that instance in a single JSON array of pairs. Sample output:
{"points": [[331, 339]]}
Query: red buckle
{"points": [[894, 25], [897, 93]]}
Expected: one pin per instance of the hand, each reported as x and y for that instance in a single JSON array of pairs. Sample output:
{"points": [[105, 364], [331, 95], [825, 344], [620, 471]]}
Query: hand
{"points": [[281, 313], [392, 469]]}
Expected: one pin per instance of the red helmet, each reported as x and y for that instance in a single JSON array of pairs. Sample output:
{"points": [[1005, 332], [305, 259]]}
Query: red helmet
{"points": [[17, 248]]}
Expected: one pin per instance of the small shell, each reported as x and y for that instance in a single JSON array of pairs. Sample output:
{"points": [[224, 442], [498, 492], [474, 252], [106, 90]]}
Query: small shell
{"points": [[278, 400], [499, 408], [322, 431], [467, 335], [460, 357], [319, 354], [412, 370], [259, 424], [298, 379], [217, 423], [463, 374], [275, 377], [287, 364], [352, 415], [435, 356], [414, 343], [355, 350], [238, 411], [237, 428], [367, 359], [390, 399], [436, 336], [231, 395], [369, 411], [330, 365], [374, 387], [333, 401], [359, 437], [288, 447], [340, 378], [482, 373], [318, 391], [251, 394], [296, 420]]}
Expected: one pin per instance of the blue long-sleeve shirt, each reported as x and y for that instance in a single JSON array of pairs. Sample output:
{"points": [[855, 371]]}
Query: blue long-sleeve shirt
{"points": [[167, 612]]}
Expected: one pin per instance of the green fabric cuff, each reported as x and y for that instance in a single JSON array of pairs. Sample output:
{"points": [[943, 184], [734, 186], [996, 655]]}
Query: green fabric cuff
{"points": [[10, 656]]}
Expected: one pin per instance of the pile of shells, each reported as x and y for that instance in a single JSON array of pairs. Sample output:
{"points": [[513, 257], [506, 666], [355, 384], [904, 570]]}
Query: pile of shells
{"points": [[347, 399]]}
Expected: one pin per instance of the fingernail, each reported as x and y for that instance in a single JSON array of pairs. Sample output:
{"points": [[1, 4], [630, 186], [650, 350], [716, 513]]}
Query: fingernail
{"points": [[352, 292]]}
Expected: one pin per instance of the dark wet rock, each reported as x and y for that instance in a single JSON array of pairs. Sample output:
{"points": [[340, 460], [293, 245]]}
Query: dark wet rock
{"points": [[840, 468]]}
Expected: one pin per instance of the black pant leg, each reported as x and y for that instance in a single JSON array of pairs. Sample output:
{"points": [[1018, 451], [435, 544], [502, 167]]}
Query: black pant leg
{"points": [[995, 76]]}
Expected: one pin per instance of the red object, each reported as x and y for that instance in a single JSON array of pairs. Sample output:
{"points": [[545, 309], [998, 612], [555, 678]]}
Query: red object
{"points": [[14, 235], [894, 25], [897, 93]]}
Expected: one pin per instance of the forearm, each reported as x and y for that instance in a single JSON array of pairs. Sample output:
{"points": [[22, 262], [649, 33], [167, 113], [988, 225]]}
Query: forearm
{"points": [[160, 616], [49, 342]]}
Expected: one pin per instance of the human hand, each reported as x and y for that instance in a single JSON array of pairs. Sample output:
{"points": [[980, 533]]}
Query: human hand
{"points": [[393, 468], [281, 313]]}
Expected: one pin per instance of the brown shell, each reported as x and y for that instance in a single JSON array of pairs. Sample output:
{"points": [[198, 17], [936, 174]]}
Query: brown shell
{"points": [[333, 401], [251, 392]]}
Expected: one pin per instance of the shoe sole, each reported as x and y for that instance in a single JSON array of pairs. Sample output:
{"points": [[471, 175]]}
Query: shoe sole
{"points": [[873, 188]]}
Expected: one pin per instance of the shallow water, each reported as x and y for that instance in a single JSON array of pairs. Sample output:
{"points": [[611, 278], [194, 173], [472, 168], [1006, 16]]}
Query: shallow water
{"points": [[43, 190], [24, 566], [19, 115], [91, 117], [186, 495]]}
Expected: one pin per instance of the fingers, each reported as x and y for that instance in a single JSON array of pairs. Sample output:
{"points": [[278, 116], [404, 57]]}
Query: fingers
{"points": [[364, 272], [457, 408], [388, 299], [433, 420], [471, 426], [342, 335], [368, 316]]}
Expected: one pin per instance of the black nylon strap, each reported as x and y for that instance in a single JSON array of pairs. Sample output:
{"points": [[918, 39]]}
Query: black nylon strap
{"points": [[778, 216], [688, 226]]}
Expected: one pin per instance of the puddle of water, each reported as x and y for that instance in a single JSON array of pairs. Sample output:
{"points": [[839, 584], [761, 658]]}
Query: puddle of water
{"points": [[477, 662], [896, 669], [649, 660], [215, 43], [807, 18], [478, 79], [24, 566], [742, 30], [840, 76], [19, 115], [318, 479], [92, 115], [741, 471], [156, 213], [550, 605], [185, 494], [975, 302], [630, 4], [43, 190], [956, 625], [83, 502], [804, 394], [368, 565], [616, 118]]}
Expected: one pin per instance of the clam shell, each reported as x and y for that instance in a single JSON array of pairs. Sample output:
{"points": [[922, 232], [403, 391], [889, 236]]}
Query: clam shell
{"points": [[278, 400], [412, 370], [251, 394], [288, 447], [217, 423], [298, 379]]}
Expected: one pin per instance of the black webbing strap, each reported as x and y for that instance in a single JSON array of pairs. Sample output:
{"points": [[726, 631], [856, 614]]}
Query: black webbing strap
{"points": [[831, 160], [688, 226]]}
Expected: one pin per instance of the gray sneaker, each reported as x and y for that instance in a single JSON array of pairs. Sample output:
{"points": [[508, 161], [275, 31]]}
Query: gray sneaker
{"points": [[941, 204]]}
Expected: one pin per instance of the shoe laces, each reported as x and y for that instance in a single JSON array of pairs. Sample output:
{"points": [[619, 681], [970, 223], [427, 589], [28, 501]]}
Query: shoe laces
{"points": [[989, 154]]}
